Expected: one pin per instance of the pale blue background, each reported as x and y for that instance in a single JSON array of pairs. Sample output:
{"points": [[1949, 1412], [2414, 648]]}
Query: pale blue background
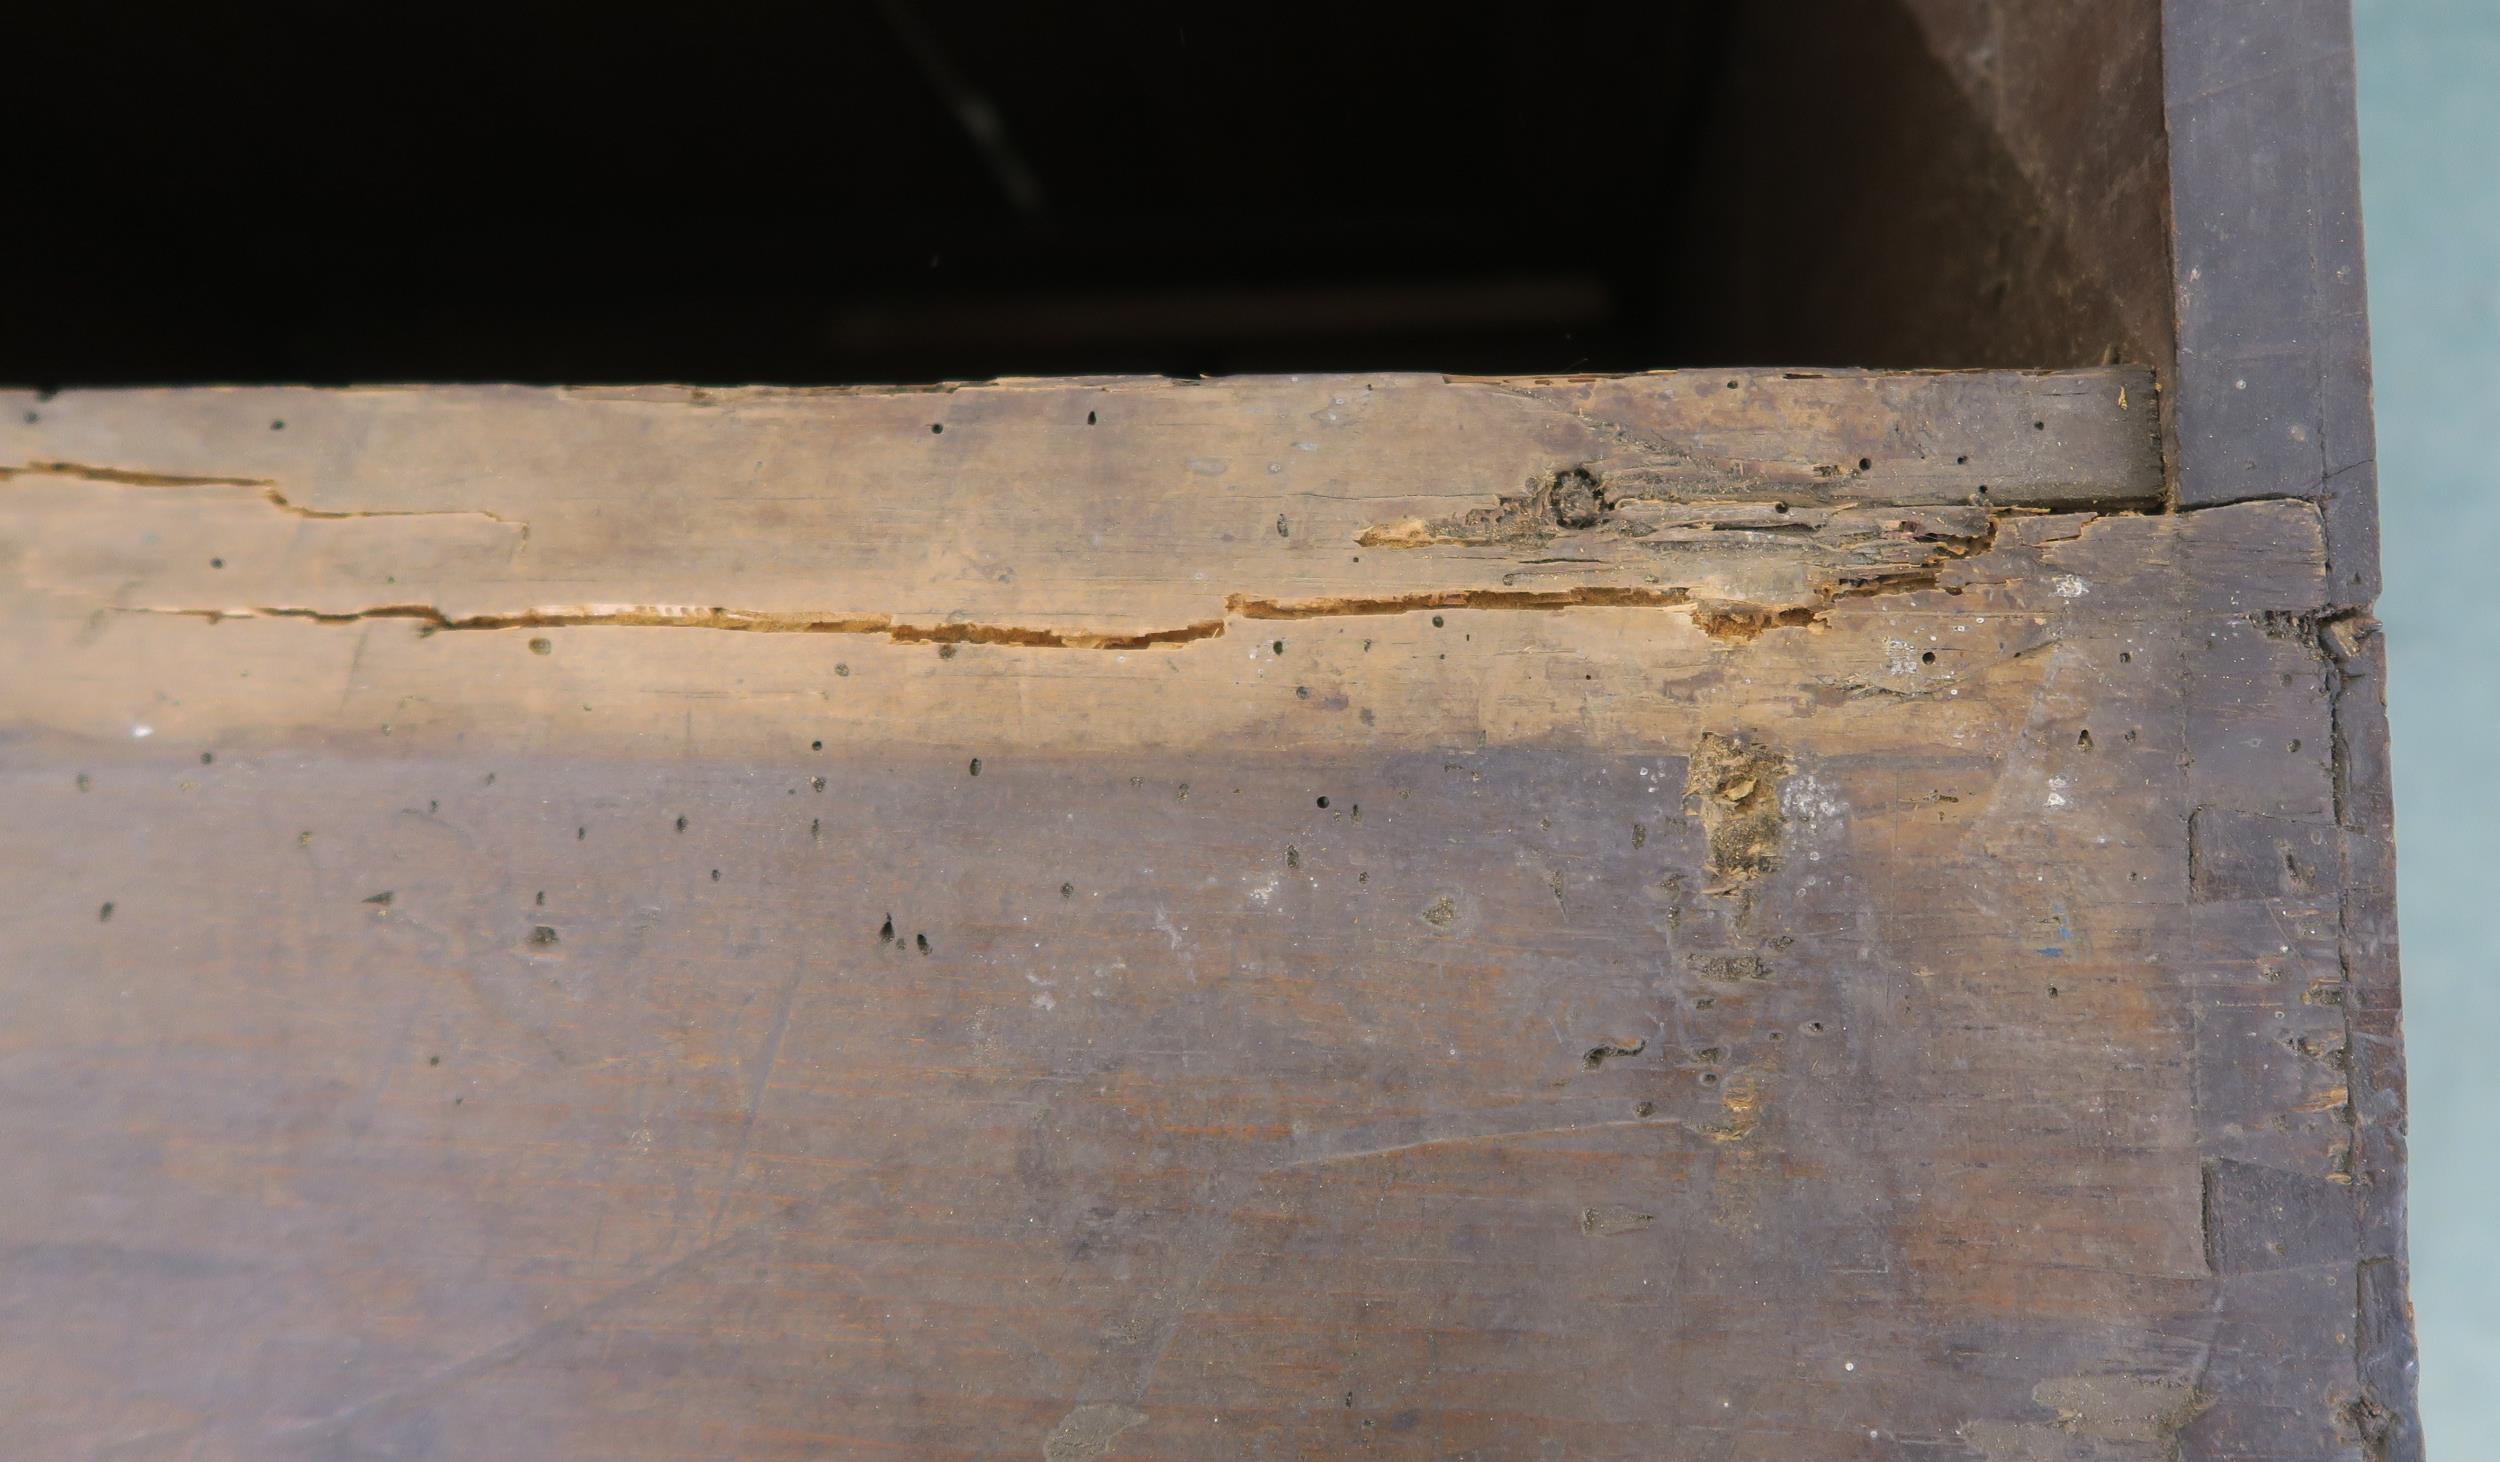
{"points": [[2430, 187]]}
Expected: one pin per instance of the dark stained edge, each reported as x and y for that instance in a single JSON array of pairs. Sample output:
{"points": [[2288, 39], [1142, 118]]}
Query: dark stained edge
{"points": [[2270, 397]]}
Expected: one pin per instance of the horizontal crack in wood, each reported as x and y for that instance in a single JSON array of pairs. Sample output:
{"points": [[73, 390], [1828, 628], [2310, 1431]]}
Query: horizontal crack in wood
{"points": [[268, 490], [1731, 620]]}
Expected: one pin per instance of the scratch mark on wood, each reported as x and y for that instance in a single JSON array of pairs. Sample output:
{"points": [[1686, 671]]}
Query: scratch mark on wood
{"points": [[755, 1101]]}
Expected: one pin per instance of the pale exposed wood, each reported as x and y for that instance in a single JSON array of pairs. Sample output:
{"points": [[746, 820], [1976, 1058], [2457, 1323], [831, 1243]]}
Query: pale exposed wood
{"points": [[1104, 508]]}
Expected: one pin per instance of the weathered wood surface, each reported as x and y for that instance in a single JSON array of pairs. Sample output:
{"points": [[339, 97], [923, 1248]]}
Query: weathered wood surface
{"points": [[1591, 918]]}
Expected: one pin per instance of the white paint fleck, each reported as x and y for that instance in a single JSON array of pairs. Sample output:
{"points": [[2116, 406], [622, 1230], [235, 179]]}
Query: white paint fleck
{"points": [[141, 733], [2057, 792], [1899, 658], [2071, 586]]}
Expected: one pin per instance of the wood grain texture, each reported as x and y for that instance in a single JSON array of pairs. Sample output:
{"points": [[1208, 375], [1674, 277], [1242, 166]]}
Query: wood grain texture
{"points": [[2270, 397], [1291, 917]]}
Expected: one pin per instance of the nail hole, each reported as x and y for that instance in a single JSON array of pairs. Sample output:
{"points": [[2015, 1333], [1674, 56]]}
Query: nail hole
{"points": [[1865, 463], [936, 428], [1927, 657], [1323, 802], [542, 646]]}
